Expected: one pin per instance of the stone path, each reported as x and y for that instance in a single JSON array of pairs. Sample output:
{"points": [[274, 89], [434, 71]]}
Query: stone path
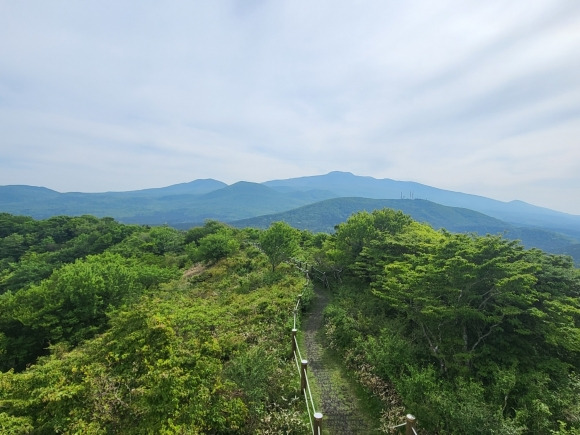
{"points": [[340, 406]]}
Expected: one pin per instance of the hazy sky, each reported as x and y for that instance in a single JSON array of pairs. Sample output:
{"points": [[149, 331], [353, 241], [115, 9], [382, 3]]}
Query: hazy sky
{"points": [[476, 96]]}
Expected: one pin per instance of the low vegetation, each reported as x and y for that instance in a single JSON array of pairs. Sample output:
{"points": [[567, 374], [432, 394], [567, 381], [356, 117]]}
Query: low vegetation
{"points": [[162, 332], [108, 328]]}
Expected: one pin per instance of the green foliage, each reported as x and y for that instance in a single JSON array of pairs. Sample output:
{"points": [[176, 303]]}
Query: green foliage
{"points": [[353, 241], [195, 234], [137, 348], [475, 333], [71, 305], [10, 425], [279, 243], [164, 239], [139, 376], [30, 250], [163, 246], [102, 330], [247, 371], [307, 296], [216, 246]]}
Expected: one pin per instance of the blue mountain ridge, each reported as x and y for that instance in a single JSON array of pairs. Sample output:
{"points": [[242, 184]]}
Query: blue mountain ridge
{"points": [[192, 203]]}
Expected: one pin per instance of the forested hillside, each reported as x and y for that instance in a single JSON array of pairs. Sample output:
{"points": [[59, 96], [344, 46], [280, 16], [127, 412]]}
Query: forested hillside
{"points": [[114, 328], [316, 203], [131, 329], [323, 216], [472, 334]]}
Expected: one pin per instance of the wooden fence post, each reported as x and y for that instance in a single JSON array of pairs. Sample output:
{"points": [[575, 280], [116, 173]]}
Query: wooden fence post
{"points": [[410, 424], [317, 423], [303, 375]]}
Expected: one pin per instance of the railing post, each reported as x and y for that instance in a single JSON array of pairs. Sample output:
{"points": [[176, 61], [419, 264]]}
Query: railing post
{"points": [[410, 424], [294, 331], [317, 423], [303, 375]]}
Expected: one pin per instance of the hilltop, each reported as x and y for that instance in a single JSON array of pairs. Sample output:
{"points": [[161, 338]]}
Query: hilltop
{"points": [[316, 203]]}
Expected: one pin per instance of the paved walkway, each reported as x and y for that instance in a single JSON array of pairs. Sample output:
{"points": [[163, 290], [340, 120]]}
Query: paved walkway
{"points": [[340, 406]]}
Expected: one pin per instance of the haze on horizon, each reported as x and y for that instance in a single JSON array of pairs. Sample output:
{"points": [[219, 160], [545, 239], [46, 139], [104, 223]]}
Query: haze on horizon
{"points": [[471, 96]]}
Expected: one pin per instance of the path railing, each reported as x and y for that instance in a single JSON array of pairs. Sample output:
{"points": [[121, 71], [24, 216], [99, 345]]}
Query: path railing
{"points": [[314, 417], [302, 366], [310, 271], [409, 425]]}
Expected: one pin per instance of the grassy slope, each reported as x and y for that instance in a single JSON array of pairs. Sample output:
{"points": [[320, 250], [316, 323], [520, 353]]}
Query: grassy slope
{"points": [[222, 329]]}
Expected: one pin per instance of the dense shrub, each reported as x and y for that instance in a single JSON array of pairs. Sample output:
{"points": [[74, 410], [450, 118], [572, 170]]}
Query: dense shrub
{"points": [[123, 342], [476, 334]]}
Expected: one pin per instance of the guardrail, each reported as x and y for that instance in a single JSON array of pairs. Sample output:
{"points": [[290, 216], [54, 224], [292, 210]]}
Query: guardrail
{"points": [[314, 417], [311, 271], [409, 425], [302, 366]]}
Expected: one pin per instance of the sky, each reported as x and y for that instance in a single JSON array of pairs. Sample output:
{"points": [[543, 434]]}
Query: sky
{"points": [[480, 97]]}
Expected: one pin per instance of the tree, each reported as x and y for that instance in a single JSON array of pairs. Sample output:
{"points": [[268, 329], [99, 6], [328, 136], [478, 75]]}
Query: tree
{"points": [[211, 226], [71, 305], [279, 242], [461, 325], [216, 246], [362, 228]]}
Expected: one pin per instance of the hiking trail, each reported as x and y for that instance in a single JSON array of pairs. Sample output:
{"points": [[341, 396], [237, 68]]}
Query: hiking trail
{"points": [[340, 406]]}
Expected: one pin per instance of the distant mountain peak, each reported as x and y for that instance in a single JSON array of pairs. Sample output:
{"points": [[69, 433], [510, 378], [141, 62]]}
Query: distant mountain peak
{"points": [[245, 184], [340, 173], [21, 192], [276, 195], [241, 188]]}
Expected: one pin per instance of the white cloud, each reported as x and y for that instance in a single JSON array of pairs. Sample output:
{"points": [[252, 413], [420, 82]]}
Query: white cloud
{"points": [[466, 95]]}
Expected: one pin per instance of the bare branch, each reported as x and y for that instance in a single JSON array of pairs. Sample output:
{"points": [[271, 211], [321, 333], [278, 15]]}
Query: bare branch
{"points": [[482, 337]]}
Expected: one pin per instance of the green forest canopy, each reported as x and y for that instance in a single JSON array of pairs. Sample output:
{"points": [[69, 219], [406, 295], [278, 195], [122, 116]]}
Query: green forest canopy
{"points": [[475, 334], [107, 327], [149, 332]]}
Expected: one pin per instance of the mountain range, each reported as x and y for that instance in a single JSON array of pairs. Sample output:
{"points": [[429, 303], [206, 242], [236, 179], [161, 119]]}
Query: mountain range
{"points": [[316, 203]]}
